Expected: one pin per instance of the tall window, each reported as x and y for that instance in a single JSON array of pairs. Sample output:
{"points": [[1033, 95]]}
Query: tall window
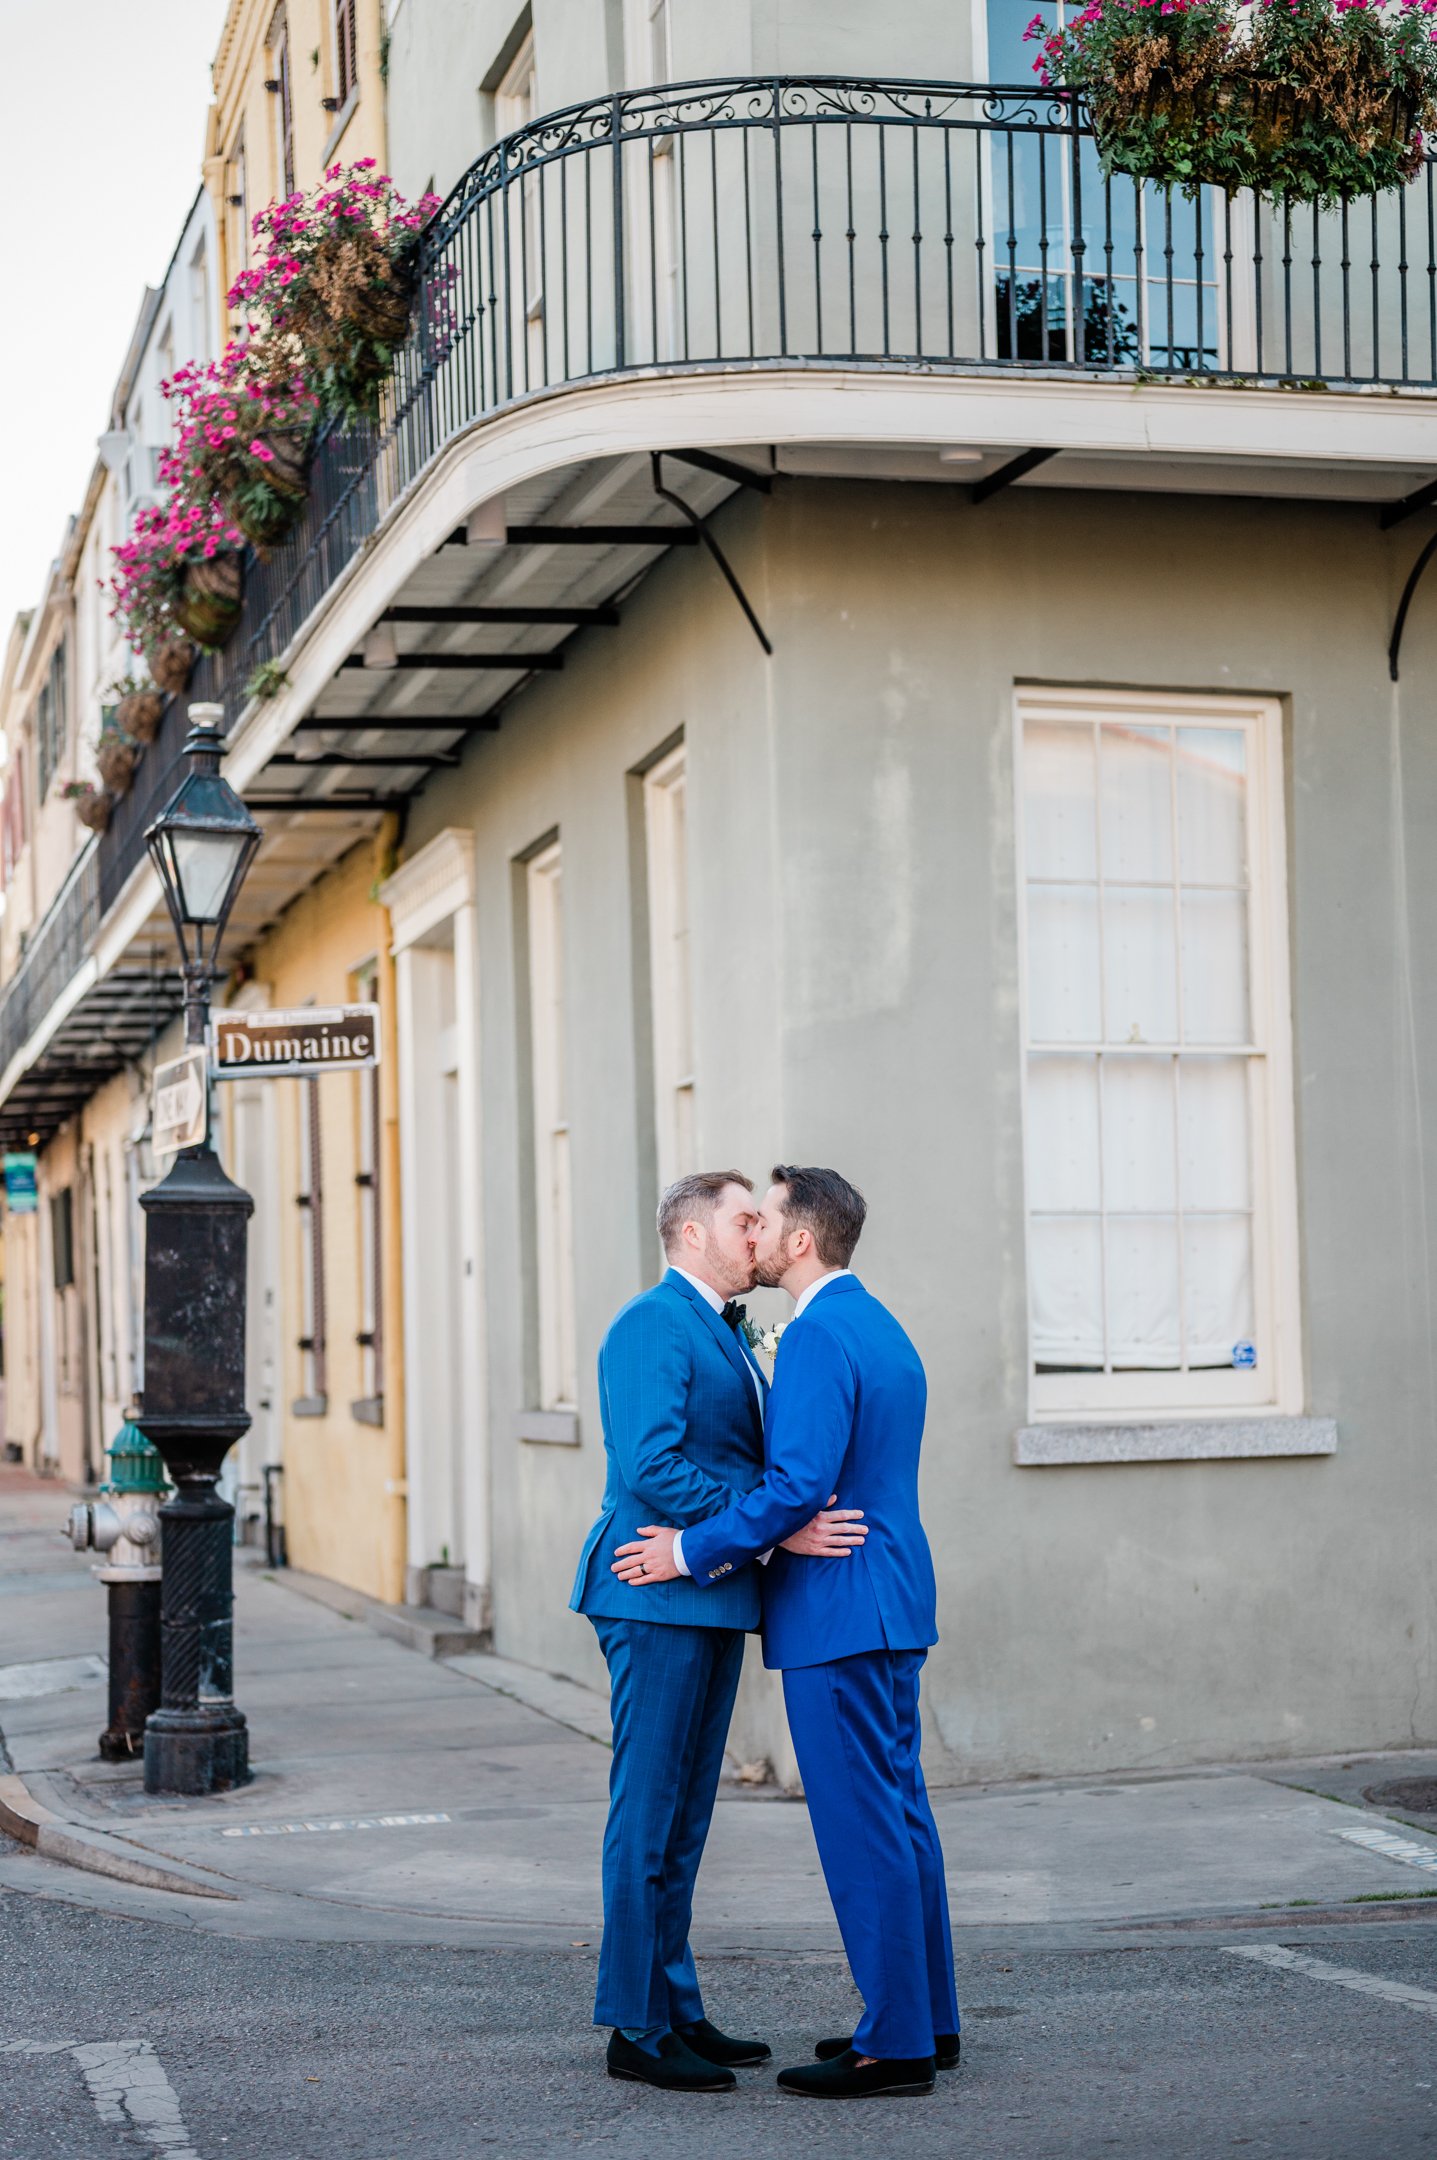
{"points": [[237, 200], [51, 720], [554, 1227], [284, 106], [1161, 1235], [1150, 261], [312, 1346], [515, 104], [666, 829], [346, 50]]}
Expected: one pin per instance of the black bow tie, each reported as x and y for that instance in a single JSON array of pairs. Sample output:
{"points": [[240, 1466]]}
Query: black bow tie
{"points": [[732, 1314]]}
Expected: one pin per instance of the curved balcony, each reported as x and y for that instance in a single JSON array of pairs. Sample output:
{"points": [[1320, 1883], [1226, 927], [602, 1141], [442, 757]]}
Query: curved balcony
{"points": [[796, 224]]}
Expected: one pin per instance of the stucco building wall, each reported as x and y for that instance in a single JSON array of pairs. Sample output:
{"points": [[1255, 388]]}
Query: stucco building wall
{"points": [[855, 969]]}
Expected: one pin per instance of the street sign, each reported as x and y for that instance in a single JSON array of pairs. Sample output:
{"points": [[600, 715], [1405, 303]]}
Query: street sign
{"points": [[181, 1103], [20, 1194], [334, 1038]]}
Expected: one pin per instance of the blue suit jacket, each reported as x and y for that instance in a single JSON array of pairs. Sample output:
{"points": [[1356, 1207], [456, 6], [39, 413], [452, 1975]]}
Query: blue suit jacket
{"points": [[845, 1416], [683, 1436]]}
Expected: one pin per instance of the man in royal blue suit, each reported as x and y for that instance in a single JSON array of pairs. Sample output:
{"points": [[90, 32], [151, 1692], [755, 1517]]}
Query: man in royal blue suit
{"points": [[849, 1634], [682, 1400]]}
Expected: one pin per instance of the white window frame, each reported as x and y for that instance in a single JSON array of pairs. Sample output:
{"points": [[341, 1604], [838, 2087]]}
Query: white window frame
{"points": [[671, 974], [553, 1189], [1276, 1383]]}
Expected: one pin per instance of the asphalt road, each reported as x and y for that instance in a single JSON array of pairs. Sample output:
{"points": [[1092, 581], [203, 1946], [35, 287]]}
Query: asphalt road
{"points": [[137, 2037]]}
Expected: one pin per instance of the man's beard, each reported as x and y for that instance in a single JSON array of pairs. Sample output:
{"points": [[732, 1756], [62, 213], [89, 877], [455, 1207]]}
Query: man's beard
{"points": [[733, 1274], [768, 1274]]}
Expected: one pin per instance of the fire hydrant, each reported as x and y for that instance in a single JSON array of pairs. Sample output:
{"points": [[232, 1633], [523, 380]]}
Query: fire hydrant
{"points": [[123, 1524]]}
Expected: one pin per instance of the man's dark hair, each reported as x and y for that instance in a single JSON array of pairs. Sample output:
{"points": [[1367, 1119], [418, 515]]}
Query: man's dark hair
{"points": [[693, 1199], [824, 1204]]}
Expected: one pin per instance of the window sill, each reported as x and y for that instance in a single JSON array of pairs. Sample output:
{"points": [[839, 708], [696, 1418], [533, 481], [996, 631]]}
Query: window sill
{"points": [[550, 1428], [369, 1410], [310, 1406], [1178, 1440], [341, 121]]}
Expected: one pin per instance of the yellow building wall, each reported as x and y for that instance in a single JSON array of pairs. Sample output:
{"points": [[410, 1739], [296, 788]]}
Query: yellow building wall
{"points": [[344, 1504], [243, 148]]}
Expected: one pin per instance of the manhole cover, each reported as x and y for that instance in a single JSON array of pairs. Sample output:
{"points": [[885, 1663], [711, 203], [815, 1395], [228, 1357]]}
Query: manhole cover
{"points": [[1418, 1795]]}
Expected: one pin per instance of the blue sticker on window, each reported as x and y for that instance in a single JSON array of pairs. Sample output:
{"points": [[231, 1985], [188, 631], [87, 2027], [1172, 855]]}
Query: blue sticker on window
{"points": [[1244, 1356]]}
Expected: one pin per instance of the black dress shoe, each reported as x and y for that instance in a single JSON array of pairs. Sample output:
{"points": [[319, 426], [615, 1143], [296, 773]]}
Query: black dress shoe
{"points": [[673, 2067], [947, 2049], [845, 2077], [706, 2040]]}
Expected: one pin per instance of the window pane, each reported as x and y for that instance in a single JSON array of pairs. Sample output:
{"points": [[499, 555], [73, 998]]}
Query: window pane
{"points": [[1143, 1291], [1215, 1000], [1139, 958], [1065, 1264], [1214, 1145], [1063, 1169], [1063, 1001], [1058, 785], [1217, 1284], [1137, 803], [1138, 1167], [1212, 805]]}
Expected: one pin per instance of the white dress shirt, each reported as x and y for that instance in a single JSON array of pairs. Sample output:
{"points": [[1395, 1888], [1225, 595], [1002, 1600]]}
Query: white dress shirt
{"points": [[716, 1301]]}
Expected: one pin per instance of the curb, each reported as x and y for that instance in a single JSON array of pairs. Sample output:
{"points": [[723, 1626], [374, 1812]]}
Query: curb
{"points": [[48, 1834]]}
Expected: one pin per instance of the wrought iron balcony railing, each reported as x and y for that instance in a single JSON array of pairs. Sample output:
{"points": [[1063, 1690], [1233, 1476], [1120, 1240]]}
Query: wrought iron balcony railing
{"points": [[781, 221]]}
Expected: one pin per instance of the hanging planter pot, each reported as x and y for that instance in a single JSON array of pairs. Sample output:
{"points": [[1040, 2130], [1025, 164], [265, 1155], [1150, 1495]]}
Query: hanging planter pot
{"points": [[210, 598], [265, 492], [1315, 101], [170, 661], [139, 713], [116, 757], [363, 282], [93, 809]]}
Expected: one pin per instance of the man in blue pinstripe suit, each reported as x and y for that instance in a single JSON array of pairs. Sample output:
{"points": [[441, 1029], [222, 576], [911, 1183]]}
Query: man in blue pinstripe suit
{"points": [[683, 1401], [846, 1417]]}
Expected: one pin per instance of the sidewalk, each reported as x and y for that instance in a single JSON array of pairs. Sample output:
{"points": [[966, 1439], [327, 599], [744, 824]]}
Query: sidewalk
{"points": [[462, 1800]]}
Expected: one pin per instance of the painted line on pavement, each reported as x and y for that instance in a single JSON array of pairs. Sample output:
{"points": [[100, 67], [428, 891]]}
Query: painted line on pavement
{"points": [[351, 1822], [1394, 1848], [1422, 2000], [128, 2085]]}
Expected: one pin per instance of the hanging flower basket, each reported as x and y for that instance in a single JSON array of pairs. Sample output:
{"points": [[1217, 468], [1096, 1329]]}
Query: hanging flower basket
{"points": [[152, 579], [171, 660], [115, 760], [242, 442], [92, 805], [139, 710], [211, 594], [333, 296], [1311, 100]]}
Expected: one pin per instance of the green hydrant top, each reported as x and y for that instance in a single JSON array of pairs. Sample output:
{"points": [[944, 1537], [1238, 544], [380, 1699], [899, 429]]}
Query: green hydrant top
{"points": [[136, 1465]]}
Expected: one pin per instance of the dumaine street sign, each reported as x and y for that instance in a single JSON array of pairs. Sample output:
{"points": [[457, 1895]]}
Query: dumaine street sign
{"points": [[276, 1045]]}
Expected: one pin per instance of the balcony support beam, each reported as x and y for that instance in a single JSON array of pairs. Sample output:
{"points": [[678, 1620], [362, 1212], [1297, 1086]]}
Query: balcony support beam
{"points": [[398, 724], [574, 618], [1029, 461], [515, 663], [1393, 513], [589, 536]]}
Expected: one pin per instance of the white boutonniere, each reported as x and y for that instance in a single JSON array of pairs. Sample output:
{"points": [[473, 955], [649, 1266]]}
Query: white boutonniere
{"points": [[765, 1340]]}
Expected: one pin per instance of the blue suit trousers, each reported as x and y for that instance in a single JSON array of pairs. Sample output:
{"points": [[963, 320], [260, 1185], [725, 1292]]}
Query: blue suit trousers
{"points": [[856, 1734], [672, 1696]]}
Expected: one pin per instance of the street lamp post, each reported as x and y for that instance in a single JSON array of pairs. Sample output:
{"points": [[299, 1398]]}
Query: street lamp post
{"points": [[196, 1227]]}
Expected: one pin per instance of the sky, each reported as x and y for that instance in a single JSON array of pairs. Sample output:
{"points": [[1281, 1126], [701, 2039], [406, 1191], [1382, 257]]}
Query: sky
{"points": [[102, 121]]}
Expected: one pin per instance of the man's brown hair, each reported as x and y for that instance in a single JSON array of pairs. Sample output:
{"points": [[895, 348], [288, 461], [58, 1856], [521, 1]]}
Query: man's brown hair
{"points": [[824, 1204], [693, 1199]]}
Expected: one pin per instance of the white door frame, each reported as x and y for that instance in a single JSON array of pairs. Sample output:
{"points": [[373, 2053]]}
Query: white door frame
{"points": [[434, 891]]}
